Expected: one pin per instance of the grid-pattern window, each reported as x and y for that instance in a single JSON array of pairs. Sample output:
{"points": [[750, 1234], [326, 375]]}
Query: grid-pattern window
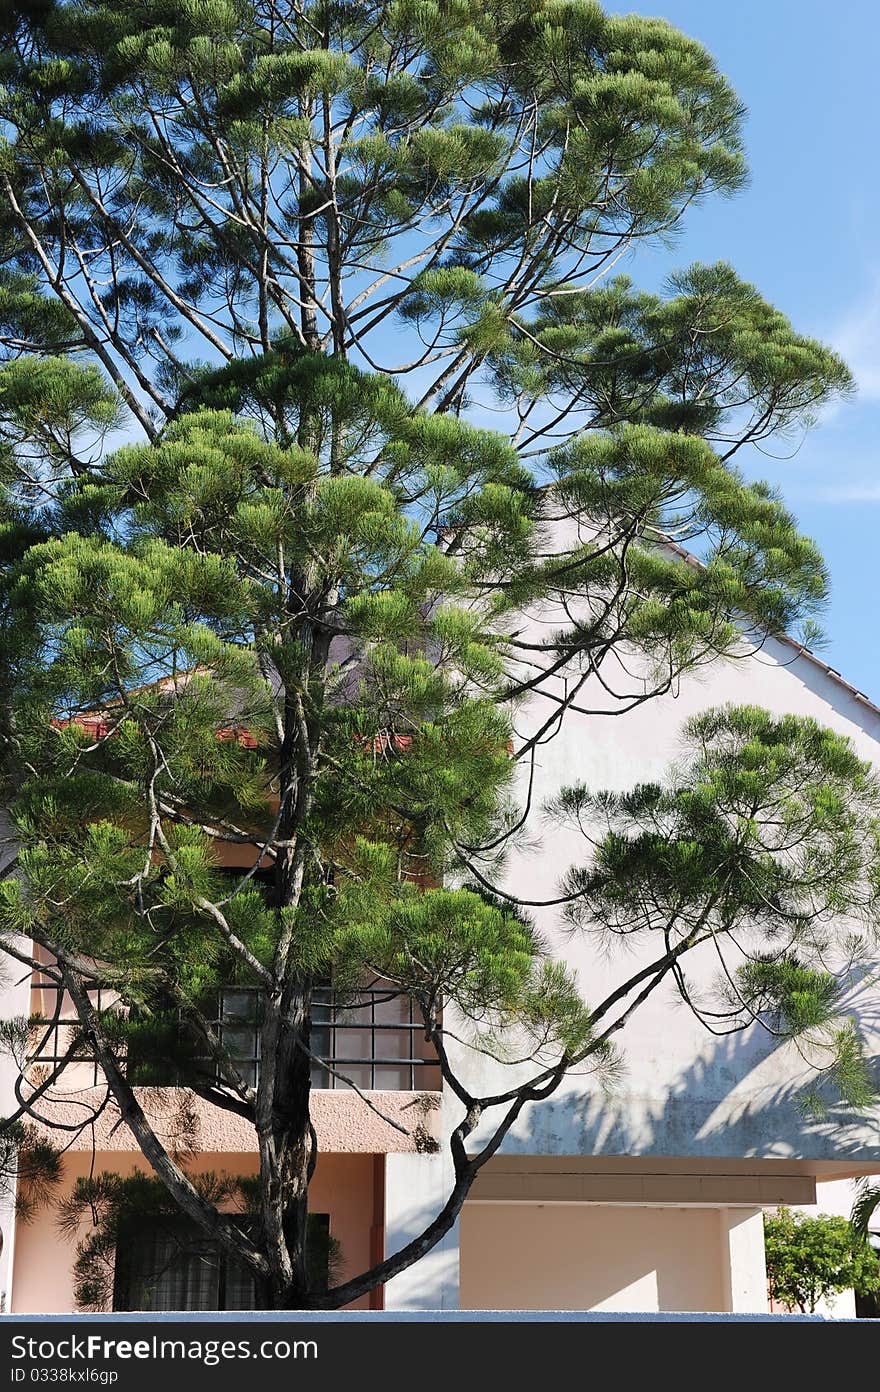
{"points": [[59, 1027], [372, 1038], [236, 1024]]}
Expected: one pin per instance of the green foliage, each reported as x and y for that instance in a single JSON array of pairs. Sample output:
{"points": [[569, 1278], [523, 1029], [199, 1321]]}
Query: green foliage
{"points": [[712, 353], [866, 1205], [767, 834], [812, 1258], [31, 1165], [103, 1213], [56, 391], [455, 947], [272, 596], [754, 562]]}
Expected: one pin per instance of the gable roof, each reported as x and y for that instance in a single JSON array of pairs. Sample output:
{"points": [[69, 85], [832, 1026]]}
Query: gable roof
{"points": [[789, 642]]}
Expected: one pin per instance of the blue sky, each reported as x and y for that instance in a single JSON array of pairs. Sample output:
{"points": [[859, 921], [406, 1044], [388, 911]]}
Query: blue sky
{"points": [[804, 231]]}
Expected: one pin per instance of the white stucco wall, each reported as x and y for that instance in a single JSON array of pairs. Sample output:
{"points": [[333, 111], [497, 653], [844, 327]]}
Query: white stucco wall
{"points": [[416, 1188], [743, 1264], [683, 1092]]}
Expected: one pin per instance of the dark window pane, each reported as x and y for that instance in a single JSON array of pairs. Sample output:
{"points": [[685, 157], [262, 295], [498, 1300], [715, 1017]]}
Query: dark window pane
{"points": [[394, 1044], [361, 1074], [355, 1012], [165, 1264], [240, 1291], [240, 1041], [354, 1043], [240, 1005], [428, 1077]]}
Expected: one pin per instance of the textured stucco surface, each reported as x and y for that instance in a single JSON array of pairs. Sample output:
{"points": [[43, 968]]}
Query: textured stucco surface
{"points": [[681, 1091], [343, 1121], [590, 1257]]}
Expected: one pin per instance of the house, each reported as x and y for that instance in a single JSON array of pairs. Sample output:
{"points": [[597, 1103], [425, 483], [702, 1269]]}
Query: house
{"points": [[653, 1199], [647, 1199]]}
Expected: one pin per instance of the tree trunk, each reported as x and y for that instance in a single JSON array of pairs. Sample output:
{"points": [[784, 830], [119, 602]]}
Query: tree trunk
{"points": [[284, 1122], [293, 1133]]}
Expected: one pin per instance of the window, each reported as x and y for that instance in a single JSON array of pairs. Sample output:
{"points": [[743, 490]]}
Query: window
{"points": [[170, 1052], [372, 1038], [236, 1024], [165, 1263], [166, 1266]]}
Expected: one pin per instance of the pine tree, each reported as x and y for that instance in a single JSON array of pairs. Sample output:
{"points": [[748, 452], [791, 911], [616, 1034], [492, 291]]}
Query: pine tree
{"points": [[266, 263]]}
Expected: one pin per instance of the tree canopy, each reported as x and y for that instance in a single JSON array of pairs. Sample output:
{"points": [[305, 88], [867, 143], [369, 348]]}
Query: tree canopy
{"points": [[811, 1258], [266, 575]]}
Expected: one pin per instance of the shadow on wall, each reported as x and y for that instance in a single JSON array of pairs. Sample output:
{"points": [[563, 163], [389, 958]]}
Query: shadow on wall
{"points": [[743, 1097], [736, 1099], [591, 1257]]}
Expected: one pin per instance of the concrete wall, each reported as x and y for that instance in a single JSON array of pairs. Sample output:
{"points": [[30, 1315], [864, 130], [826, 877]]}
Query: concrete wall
{"points": [[743, 1264], [416, 1187], [683, 1093], [342, 1121]]}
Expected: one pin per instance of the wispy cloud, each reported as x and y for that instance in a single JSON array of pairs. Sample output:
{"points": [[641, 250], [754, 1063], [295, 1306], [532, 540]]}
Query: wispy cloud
{"points": [[842, 493], [857, 339]]}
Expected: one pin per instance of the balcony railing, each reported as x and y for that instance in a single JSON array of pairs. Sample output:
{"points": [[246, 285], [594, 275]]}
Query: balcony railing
{"points": [[369, 1037]]}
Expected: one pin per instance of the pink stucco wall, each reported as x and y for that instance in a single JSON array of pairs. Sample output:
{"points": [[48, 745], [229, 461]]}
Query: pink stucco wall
{"points": [[343, 1186], [591, 1257], [343, 1121]]}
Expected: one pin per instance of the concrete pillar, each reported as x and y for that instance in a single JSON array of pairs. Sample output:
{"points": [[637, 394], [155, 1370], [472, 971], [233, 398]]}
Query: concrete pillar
{"points": [[744, 1268], [416, 1187]]}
